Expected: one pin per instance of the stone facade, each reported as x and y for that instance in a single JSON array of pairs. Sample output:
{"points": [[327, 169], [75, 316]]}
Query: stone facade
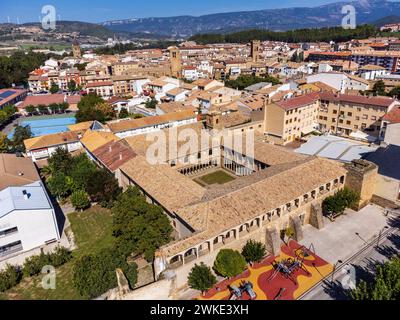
{"points": [[362, 177]]}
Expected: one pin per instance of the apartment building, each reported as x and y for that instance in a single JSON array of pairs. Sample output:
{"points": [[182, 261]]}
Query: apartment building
{"points": [[346, 114], [287, 120]]}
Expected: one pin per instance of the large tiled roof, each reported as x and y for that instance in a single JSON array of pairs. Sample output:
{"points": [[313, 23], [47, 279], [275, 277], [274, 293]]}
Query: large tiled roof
{"points": [[16, 171], [298, 102], [44, 99], [114, 154], [51, 140], [93, 140], [126, 125], [393, 116], [356, 99]]}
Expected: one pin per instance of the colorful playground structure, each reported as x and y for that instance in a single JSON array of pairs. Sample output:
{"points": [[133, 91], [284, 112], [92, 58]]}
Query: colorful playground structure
{"points": [[286, 277]]}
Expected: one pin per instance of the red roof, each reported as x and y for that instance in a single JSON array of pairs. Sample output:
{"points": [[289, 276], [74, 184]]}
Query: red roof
{"points": [[298, 102], [43, 99], [393, 116], [114, 154], [75, 99], [370, 101]]}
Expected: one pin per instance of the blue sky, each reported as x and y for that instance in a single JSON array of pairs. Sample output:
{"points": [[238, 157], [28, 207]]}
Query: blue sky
{"points": [[102, 10]]}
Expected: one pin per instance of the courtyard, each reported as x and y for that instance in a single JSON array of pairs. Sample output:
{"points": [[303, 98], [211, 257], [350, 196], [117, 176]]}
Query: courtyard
{"points": [[270, 282], [217, 177]]}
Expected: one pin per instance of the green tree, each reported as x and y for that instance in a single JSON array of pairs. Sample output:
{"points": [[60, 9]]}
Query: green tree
{"points": [[245, 81], [21, 133], [385, 286], [30, 109], [123, 114], [81, 169], [89, 110], [4, 143], [71, 86], [151, 104], [139, 227], [254, 251], [54, 88], [103, 188], [379, 88], [340, 201], [395, 92], [60, 161], [201, 278], [80, 200], [59, 185], [43, 109], [9, 277], [229, 263]]}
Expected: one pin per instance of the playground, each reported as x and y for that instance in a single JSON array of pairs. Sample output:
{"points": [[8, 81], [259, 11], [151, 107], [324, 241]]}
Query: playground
{"points": [[286, 277]]}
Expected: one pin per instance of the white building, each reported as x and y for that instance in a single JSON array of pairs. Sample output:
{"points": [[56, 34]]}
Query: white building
{"points": [[27, 220]]}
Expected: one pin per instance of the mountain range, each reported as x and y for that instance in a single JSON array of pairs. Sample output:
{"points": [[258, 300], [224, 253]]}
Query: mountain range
{"points": [[368, 11]]}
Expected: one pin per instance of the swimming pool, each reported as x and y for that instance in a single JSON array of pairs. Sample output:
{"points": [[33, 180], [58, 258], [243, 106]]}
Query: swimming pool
{"points": [[47, 124]]}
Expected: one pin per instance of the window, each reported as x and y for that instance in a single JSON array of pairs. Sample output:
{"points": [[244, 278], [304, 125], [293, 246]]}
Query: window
{"points": [[350, 114], [334, 111], [10, 248], [373, 118], [7, 232]]}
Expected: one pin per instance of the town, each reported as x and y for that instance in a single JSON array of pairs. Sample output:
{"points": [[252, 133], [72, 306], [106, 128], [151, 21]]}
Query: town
{"points": [[277, 174]]}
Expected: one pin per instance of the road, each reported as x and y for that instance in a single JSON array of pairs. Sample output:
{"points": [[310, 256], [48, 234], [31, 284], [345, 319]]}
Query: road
{"points": [[359, 266]]}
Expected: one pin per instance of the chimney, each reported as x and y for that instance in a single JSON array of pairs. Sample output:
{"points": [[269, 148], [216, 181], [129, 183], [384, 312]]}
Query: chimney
{"points": [[26, 194], [110, 149], [20, 173], [120, 156]]}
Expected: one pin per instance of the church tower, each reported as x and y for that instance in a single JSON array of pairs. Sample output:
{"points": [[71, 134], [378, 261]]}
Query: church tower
{"points": [[255, 50], [176, 62], [76, 49]]}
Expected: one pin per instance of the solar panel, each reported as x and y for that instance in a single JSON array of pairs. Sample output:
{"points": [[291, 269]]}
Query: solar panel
{"points": [[7, 94]]}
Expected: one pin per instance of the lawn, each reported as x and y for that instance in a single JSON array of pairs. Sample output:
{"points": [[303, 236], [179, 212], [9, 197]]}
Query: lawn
{"points": [[220, 177], [92, 230]]}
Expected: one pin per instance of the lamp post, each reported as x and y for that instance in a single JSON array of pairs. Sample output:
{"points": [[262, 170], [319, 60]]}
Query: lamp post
{"points": [[380, 235], [334, 268]]}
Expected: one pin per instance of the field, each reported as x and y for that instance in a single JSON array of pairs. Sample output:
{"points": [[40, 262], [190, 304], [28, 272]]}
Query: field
{"points": [[92, 230], [218, 177]]}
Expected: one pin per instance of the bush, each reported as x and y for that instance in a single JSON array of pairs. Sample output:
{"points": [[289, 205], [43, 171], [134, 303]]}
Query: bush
{"points": [[340, 201], [254, 251], [60, 257], [59, 185], [201, 278], [229, 263], [95, 274], [131, 273], [34, 265], [9, 278], [80, 200]]}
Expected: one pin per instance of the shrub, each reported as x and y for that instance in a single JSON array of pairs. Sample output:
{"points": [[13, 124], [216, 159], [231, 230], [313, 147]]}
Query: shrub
{"points": [[33, 265], [201, 278], [80, 200], [131, 273], [229, 263], [9, 278], [60, 257]]}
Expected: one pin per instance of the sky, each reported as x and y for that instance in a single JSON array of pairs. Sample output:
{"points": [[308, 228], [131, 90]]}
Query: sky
{"points": [[102, 10]]}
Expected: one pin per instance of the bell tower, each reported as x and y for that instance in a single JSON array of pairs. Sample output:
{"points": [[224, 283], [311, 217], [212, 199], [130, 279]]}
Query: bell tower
{"points": [[255, 50], [76, 49], [175, 62]]}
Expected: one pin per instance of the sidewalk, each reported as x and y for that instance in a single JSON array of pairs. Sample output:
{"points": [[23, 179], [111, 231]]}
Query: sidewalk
{"points": [[339, 239]]}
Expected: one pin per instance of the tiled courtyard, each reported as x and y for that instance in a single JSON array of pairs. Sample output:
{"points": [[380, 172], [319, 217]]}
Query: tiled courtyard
{"points": [[270, 284]]}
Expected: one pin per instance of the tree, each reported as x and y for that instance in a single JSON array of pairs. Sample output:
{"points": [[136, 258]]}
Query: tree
{"points": [[59, 185], [21, 133], [253, 251], [91, 107], [60, 161], [102, 187], [71, 86], [385, 286], [123, 114], [9, 277], [340, 201], [81, 170], [54, 88], [43, 109], [245, 81], [151, 104], [201, 278], [395, 92], [229, 263], [379, 88], [139, 227], [4, 143], [30, 109], [80, 200]]}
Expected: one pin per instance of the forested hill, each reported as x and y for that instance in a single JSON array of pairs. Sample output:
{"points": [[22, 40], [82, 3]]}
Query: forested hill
{"points": [[336, 34]]}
